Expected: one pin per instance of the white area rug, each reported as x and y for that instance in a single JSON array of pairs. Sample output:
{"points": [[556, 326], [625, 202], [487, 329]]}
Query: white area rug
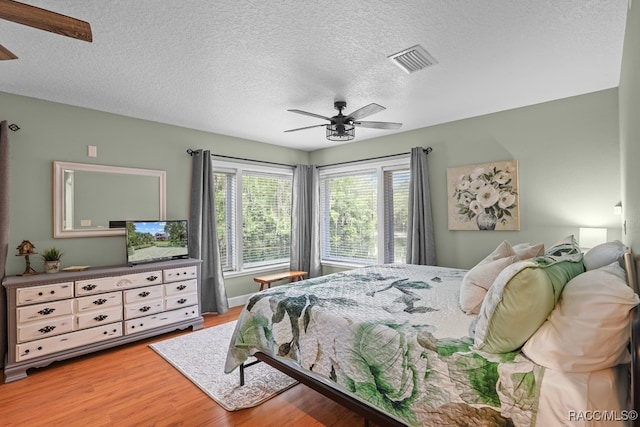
{"points": [[200, 356]]}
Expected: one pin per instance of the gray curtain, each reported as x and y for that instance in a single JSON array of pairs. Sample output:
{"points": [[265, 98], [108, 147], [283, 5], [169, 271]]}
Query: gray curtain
{"points": [[203, 239], [305, 221], [4, 231], [421, 245]]}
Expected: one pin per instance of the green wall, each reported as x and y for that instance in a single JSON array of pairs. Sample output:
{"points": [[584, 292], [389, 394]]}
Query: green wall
{"points": [[567, 150], [51, 131], [630, 128], [568, 156]]}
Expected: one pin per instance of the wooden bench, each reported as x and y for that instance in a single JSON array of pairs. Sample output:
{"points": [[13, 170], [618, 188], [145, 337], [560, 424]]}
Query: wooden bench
{"points": [[268, 279]]}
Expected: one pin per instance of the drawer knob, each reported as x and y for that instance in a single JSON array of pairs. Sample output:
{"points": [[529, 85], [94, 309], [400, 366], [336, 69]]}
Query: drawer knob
{"points": [[144, 294], [152, 278], [145, 308], [89, 287], [181, 287], [100, 301], [100, 318], [46, 311], [46, 329], [181, 301]]}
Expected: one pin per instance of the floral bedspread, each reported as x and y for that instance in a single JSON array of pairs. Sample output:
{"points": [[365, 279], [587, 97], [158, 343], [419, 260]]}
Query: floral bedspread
{"points": [[392, 336]]}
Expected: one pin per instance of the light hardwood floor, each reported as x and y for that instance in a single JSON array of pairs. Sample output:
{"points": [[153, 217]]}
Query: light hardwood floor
{"points": [[132, 386]]}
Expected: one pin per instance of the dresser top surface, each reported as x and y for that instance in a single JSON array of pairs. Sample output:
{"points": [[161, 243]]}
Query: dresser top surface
{"points": [[94, 272]]}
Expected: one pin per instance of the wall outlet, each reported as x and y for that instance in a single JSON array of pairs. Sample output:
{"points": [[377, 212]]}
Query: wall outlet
{"points": [[92, 151], [85, 223]]}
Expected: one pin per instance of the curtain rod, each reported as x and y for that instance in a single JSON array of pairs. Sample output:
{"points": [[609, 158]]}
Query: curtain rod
{"points": [[426, 150], [190, 152]]}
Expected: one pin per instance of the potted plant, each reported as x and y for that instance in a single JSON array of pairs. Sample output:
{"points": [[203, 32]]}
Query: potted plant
{"points": [[52, 259]]}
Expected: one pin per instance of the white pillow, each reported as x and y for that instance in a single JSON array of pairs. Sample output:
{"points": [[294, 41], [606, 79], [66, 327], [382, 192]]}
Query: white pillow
{"points": [[589, 328], [604, 254], [480, 278]]}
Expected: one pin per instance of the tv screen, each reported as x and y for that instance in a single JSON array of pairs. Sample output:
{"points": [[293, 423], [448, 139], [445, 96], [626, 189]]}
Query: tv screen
{"points": [[149, 241]]}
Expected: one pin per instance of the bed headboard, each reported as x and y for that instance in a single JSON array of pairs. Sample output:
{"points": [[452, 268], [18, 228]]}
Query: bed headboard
{"points": [[631, 263], [631, 267]]}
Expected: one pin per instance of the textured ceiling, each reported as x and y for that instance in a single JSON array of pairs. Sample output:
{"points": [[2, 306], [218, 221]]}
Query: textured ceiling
{"points": [[234, 67]]}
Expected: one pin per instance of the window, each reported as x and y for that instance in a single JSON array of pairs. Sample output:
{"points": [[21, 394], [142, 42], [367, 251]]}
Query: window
{"points": [[364, 213], [396, 209], [349, 217], [253, 215]]}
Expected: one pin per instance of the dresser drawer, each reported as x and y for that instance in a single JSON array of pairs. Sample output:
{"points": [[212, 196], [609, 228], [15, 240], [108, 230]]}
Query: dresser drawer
{"points": [[149, 322], [177, 274], [47, 310], [104, 284], [37, 294], [98, 302], [36, 330], [143, 308], [47, 346], [99, 317], [186, 287], [142, 294], [178, 301]]}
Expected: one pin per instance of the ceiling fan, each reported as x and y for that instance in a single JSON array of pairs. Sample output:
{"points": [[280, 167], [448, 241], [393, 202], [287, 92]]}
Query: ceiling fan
{"points": [[42, 19], [342, 127]]}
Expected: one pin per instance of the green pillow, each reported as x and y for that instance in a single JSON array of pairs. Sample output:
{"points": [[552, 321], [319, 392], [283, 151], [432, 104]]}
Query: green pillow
{"points": [[521, 298]]}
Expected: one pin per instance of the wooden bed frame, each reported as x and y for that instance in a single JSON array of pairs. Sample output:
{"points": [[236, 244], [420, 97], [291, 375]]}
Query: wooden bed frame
{"points": [[372, 414]]}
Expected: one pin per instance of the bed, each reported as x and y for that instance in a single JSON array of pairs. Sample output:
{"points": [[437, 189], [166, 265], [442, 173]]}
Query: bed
{"points": [[402, 344]]}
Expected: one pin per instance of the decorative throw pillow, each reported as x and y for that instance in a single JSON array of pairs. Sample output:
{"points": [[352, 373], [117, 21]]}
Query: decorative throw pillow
{"points": [[521, 298], [589, 328], [478, 280], [567, 245], [528, 250], [604, 254]]}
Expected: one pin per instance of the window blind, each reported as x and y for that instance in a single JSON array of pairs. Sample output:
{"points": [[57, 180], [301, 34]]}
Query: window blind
{"points": [[349, 217]]}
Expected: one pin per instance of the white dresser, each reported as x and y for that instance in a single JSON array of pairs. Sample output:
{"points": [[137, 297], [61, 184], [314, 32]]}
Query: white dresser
{"points": [[54, 317]]}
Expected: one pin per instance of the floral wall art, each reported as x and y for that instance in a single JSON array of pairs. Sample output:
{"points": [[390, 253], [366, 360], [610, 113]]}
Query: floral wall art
{"points": [[484, 196]]}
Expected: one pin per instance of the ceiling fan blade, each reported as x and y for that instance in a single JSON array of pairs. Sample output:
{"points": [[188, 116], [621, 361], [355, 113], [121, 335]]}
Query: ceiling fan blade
{"points": [[365, 111], [45, 20], [306, 113], [307, 127], [378, 125], [6, 54]]}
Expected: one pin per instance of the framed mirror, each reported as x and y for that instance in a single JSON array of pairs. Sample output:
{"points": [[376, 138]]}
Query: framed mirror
{"points": [[95, 200]]}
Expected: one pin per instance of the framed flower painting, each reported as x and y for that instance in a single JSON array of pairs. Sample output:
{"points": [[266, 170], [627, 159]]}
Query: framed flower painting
{"points": [[484, 196]]}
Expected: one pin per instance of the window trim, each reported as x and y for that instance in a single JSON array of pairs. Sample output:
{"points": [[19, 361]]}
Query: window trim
{"points": [[238, 168]]}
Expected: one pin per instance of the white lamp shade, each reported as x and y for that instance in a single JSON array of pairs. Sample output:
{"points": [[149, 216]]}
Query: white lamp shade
{"points": [[590, 237]]}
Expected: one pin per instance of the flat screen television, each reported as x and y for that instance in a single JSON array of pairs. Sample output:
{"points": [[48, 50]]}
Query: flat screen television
{"points": [[151, 241]]}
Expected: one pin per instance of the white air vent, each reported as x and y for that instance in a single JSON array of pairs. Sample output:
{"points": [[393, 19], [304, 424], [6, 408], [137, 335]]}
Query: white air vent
{"points": [[413, 59]]}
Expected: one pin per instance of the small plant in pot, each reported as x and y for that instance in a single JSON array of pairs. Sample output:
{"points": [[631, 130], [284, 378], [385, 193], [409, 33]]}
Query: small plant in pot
{"points": [[52, 260]]}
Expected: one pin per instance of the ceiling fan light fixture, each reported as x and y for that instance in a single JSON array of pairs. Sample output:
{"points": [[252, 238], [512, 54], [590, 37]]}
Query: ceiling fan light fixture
{"points": [[341, 132]]}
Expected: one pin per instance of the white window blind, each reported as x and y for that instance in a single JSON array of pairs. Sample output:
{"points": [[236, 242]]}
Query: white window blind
{"points": [[396, 211], [364, 212], [225, 201], [266, 218], [348, 206]]}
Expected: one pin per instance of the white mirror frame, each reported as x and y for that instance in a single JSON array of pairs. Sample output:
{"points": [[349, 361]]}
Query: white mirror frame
{"points": [[58, 196]]}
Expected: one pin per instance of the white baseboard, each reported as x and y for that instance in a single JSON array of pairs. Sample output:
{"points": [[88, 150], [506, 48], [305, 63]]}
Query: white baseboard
{"points": [[241, 300]]}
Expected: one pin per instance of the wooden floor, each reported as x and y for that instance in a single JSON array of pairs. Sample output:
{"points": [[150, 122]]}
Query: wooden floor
{"points": [[132, 386]]}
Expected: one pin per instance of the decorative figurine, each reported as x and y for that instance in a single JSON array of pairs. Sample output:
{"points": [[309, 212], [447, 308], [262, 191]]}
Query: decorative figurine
{"points": [[25, 249]]}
